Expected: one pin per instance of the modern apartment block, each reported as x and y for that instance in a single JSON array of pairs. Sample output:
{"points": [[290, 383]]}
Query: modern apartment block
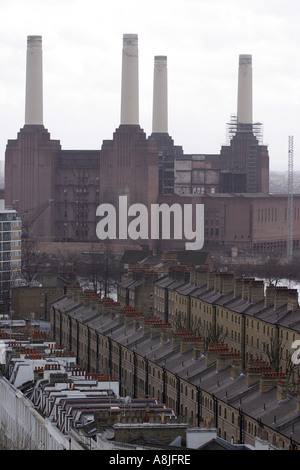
{"points": [[10, 251]]}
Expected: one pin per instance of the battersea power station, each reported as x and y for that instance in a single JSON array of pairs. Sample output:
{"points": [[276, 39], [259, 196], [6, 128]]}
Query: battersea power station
{"points": [[64, 188]]}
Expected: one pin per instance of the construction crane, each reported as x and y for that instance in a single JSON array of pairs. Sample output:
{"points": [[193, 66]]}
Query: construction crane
{"points": [[29, 216]]}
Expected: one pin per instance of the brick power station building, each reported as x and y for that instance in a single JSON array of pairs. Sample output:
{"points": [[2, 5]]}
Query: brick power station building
{"points": [[69, 185]]}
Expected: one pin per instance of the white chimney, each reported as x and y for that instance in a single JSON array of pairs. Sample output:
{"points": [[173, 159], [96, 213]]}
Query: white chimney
{"points": [[130, 80], [160, 95], [34, 81], [244, 111]]}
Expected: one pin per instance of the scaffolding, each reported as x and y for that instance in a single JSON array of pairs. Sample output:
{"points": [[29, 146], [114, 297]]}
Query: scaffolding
{"points": [[290, 209], [233, 127]]}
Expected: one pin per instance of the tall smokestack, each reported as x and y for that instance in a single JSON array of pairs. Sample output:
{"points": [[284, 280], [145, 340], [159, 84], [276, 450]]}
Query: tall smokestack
{"points": [[244, 111], [160, 95], [34, 81], [130, 80]]}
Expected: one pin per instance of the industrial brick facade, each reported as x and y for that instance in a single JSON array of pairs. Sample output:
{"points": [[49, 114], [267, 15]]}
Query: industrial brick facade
{"points": [[78, 181], [233, 185]]}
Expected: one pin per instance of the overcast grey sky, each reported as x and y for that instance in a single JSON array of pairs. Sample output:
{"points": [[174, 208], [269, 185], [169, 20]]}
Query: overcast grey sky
{"points": [[82, 52]]}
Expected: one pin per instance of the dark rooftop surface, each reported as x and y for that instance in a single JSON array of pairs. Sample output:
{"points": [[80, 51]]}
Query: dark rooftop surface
{"points": [[262, 406]]}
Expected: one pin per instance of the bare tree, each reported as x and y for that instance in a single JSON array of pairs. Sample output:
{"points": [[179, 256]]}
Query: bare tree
{"points": [[32, 260], [214, 335], [209, 335], [100, 271], [274, 352], [272, 270], [293, 373]]}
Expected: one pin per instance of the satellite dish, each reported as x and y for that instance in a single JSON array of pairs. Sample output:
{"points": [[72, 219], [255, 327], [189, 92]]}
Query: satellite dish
{"points": [[127, 400]]}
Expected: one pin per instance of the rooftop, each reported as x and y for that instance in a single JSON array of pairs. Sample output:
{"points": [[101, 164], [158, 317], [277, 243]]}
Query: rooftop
{"points": [[162, 350]]}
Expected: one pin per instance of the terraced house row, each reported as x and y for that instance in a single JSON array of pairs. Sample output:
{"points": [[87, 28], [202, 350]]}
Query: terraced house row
{"points": [[214, 348], [251, 318]]}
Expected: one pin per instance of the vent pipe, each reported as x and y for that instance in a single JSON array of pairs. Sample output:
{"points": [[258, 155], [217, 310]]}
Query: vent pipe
{"points": [[34, 82], [130, 80], [160, 96]]}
